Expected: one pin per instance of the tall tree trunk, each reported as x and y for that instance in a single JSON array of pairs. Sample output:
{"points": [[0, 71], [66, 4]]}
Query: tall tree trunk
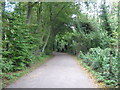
{"points": [[0, 27], [38, 17], [2, 8], [118, 43], [39, 12], [119, 15], [46, 42], [0, 40], [29, 12]]}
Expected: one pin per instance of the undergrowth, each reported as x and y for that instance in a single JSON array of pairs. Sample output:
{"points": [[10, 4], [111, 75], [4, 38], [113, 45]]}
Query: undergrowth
{"points": [[103, 64]]}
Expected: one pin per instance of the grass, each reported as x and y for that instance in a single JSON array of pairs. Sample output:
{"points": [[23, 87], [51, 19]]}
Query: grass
{"points": [[13, 76]]}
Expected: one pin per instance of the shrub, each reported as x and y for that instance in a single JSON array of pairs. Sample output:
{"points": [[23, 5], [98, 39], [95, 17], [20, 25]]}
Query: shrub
{"points": [[102, 62]]}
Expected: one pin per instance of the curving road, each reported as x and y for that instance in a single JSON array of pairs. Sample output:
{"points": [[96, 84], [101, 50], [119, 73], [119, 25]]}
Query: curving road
{"points": [[62, 71]]}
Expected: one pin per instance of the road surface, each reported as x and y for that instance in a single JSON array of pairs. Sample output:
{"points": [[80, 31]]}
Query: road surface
{"points": [[62, 71]]}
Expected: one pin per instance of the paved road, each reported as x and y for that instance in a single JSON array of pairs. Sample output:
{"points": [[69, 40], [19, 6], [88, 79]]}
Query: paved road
{"points": [[62, 71]]}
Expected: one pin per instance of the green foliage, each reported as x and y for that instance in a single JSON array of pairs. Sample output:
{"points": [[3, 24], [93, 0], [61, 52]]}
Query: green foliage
{"points": [[17, 45], [82, 23], [30, 33], [23, 41], [103, 63], [76, 41]]}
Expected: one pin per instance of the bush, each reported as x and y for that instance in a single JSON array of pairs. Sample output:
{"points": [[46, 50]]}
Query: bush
{"points": [[102, 62]]}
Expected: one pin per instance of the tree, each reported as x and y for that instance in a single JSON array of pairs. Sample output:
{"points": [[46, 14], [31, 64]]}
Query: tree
{"points": [[105, 20], [29, 11]]}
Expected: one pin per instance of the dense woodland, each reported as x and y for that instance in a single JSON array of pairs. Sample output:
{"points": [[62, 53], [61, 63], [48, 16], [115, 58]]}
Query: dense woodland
{"points": [[85, 29]]}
